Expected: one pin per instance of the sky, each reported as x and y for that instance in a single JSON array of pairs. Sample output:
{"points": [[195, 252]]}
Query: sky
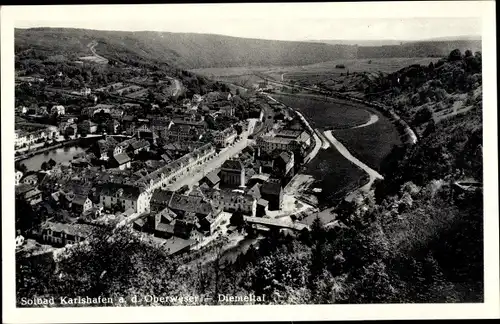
{"points": [[281, 21]]}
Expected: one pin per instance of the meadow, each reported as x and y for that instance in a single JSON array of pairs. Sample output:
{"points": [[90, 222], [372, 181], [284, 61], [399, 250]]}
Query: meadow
{"points": [[370, 144], [309, 74]]}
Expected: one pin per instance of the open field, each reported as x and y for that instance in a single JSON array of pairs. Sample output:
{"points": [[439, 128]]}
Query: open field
{"points": [[313, 73], [94, 59], [320, 72], [232, 71], [387, 65], [371, 144], [243, 76]]}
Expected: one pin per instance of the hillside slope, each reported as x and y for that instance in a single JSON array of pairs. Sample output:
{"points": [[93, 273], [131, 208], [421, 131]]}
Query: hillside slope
{"points": [[191, 51], [418, 49], [181, 49]]}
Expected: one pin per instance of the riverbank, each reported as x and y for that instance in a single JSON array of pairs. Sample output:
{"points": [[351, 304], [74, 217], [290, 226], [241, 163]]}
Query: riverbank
{"points": [[81, 141], [408, 134], [374, 175]]}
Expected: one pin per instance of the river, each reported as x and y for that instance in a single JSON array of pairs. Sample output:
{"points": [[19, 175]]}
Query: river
{"points": [[60, 155], [367, 134]]}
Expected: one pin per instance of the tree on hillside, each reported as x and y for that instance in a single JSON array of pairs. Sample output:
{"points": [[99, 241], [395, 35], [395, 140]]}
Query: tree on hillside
{"points": [[422, 116], [455, 55]]}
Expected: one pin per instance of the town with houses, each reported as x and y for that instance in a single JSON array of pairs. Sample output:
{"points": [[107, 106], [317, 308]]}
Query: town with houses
{"points": [[163, 168], [167, 175]]}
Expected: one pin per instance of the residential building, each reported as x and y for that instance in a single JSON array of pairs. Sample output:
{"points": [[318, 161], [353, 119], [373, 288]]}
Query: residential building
{"points": [[61, 234], [216, 96], [106, 148], [265, 165], [130, 106], [90, 111], [31, 133], [270, 143], [227, 110], [226, 137], [140, 145], [81, 204], [21, 109], [59, 110], [88, 126], [33, 196], [160, 200], [182, 132], [127, 122], [85, 91], [183, 213], [168, 174], [232, 201], [197, 98], [116, 113], [31, 179], [272, 191], [19, 241], [300, 136], [212, 180], [283, 165], [232, 173], [126, 196], [18, 176], [161, 125], [254, 191], [186, 103], [121, 161], [176, 150]]}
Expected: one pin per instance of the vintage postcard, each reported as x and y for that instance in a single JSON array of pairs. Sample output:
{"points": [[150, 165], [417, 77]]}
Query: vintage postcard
{"points": [[236, 162]]}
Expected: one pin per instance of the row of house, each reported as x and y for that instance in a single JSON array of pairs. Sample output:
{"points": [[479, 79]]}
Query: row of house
{"points": [[164, 176], [124, 196], [184, 216], [34, 133], [61, 234], [117, 154]]}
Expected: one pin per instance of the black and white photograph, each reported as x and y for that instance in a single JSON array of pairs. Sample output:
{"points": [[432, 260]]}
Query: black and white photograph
{"points": [[283, 156]]}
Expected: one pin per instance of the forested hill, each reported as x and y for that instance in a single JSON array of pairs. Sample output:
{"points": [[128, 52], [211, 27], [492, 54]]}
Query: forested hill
{"points": [[191, 51], [180, 49], [417, 49]]}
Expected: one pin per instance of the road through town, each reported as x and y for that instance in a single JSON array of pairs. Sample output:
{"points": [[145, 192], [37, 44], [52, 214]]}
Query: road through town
{"points": [[216, 162]]}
